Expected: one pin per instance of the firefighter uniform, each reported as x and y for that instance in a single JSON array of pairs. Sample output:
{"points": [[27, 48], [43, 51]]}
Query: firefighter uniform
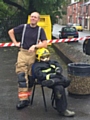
{"points": [[49, 73], [25, 60], [23, 65]]}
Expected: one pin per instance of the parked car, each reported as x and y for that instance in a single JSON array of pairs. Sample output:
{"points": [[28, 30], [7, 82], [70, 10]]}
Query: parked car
{"points": [[86, 46], [68, 32], [78, 27]]}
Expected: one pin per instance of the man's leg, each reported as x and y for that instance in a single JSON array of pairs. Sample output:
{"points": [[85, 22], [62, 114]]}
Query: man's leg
{"points": [[23, 93], [56, 81], [66, 82], [60, 98], [61, 101], [23, 82]]}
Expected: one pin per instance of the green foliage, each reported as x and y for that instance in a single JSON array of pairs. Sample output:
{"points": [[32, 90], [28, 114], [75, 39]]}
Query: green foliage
{"points": [[5, 10], [52, 7], [15, 12], [64, 12]]}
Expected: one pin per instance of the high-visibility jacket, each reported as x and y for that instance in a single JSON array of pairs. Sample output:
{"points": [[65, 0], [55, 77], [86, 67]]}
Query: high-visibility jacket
{"points": [[46, 70]]}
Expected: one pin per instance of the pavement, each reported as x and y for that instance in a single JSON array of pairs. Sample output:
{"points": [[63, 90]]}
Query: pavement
{"points": [[72, 51], [8, 88], [8, 95], [74, 54]]}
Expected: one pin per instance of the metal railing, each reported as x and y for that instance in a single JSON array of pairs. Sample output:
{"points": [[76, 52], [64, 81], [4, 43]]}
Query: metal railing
{"points": [[8, 23]]}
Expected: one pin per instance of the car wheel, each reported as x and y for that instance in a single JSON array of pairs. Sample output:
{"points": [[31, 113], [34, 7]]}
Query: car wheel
{"points": [[86, 46], [60, 37]]}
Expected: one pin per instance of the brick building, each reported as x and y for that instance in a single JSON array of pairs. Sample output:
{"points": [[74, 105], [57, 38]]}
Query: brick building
{"points": [[79, 12]]}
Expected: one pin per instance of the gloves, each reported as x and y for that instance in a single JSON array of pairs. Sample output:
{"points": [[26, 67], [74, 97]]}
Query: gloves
{"points": [[50, 76], [58, 71]]}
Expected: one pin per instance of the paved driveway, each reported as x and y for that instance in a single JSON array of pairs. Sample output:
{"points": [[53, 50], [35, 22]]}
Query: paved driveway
{"points": [[8, 94]]}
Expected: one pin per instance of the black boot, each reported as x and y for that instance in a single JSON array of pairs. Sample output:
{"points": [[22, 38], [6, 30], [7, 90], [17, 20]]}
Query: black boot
{"points": [[22, 104]]}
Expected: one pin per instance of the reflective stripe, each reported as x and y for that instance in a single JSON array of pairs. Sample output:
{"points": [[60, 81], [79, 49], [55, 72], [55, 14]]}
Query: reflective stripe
{"points": [[53, 66], [48, 77], [57, 68], [47, 70], [24, 94]]}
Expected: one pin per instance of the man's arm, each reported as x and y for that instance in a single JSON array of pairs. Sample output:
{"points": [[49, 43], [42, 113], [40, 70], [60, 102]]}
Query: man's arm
{"points": [[39, 45], [12, 37], [37, 71]]}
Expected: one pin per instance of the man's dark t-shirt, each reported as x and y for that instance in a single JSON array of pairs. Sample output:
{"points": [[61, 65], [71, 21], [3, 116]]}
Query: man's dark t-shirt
{"points": [[30, 36]]}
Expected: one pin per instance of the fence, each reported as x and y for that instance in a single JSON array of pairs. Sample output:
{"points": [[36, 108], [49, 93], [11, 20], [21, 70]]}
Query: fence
{"points": [[8, 23]]}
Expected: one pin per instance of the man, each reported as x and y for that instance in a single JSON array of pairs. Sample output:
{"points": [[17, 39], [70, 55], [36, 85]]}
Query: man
{"points": [[49, 73], [26, 55]]}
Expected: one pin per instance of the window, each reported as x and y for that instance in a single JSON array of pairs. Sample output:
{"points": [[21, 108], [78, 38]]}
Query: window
{"points": [[69, 29]]}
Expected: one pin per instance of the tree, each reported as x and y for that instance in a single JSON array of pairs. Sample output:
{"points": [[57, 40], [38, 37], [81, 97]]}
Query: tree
{"points": [[10, 9], [50, 7]]}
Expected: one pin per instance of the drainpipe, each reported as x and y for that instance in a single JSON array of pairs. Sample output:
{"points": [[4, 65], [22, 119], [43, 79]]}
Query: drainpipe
{"points": [[82, 15]]}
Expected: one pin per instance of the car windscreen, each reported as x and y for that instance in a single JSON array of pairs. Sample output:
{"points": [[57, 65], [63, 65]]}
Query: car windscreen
{"points": [[69, 29]]}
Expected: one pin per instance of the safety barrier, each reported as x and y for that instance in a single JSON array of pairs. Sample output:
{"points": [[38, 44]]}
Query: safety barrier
{"points": [[10, 44]]}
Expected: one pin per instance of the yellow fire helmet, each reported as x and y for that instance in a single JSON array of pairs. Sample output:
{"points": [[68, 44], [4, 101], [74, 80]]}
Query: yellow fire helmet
{"points": [[42, 54]]}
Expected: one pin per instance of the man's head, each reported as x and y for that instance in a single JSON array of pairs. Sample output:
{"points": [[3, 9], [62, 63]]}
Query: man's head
{"points": [[34, 18], [42, 54]]}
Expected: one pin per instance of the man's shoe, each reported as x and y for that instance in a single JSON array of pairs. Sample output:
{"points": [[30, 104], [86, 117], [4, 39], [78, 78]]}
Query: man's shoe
{"points": [[22, 104], [48, 83], [68, 113]]}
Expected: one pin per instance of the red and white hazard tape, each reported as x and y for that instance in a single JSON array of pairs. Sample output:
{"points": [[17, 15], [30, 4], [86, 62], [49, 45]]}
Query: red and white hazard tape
{"points": [[67, 40], [10, 44]]}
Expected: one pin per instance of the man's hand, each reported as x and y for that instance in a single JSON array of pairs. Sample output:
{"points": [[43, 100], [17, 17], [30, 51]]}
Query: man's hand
{"points": [[32, 48], [17, 44]]}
